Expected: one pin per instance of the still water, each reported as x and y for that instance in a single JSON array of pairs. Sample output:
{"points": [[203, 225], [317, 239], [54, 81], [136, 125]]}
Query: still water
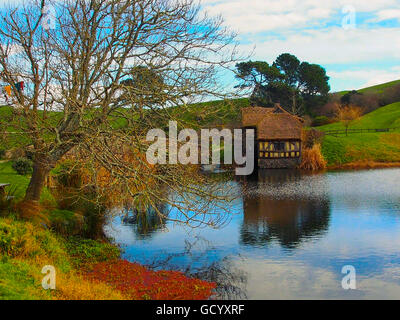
{"points": [[290, 240]]}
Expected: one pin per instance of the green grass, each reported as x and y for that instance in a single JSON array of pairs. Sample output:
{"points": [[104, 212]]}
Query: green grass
{"points": [[25, 248], [16, 282], [19, 183], [377, 147], [213, 113], [382, 118]]}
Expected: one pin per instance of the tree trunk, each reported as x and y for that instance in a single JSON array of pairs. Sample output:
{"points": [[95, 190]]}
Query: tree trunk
{"points": [[294, 107], [39, 174]]}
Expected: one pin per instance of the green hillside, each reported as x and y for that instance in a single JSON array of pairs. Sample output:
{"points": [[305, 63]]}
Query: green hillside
{"points": [[382, 118], [374, 147], [378, 89]]}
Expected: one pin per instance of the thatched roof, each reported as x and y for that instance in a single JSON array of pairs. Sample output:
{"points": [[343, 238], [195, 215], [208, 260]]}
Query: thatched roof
{"points": [[272, 123], [276, 126], [251, 116]]}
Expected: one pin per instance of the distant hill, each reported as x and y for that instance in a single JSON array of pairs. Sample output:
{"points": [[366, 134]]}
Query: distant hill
{"points": [[374, 89]]}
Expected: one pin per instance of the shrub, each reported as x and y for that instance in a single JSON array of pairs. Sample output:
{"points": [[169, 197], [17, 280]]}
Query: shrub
{"points": [[321, 121], [312, 137], [312, 159], [23, 166], [73, 195], [66, 223], [12, 240], [25, 240], [2, 154]]}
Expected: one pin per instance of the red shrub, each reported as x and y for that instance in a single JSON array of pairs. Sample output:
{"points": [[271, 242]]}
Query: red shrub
{"points": [[140, 283]]}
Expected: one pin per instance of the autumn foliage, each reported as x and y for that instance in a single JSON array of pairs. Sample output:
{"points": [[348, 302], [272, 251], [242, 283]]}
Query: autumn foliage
{"points": [[139, 283], [348, 114]]}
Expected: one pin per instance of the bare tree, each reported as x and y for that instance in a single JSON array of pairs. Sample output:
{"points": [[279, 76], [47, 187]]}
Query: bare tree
{"points": [[348, 114], [78, 97]]}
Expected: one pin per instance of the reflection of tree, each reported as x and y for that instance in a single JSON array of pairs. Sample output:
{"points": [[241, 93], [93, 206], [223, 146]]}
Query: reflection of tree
{"points": [[144, 223], [230, 280], [290, 221]]}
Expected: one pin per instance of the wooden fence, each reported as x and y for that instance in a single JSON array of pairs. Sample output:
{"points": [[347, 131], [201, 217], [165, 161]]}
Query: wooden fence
{"points": [[353, 131]]}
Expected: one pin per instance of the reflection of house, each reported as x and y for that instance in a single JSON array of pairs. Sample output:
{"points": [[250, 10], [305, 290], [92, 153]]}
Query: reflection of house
{"points": [[290, 221], [278, 136]]}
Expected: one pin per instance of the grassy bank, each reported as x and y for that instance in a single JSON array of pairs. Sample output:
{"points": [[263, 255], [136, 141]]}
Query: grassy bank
{"points": [[85, 269], [367, 149]]}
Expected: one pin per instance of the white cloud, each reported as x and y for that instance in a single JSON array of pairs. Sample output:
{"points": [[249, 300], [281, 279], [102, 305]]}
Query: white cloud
{"points": [[264, 15], [311, 30], [268, 279], [387, 15], [378, 76], [332, 46]]}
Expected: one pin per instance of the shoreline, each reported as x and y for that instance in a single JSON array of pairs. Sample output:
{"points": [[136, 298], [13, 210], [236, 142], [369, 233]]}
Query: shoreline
{"points": [[364, 164]]}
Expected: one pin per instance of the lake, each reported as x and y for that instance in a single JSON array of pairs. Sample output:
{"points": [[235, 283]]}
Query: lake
{"points": [[290, 238]]}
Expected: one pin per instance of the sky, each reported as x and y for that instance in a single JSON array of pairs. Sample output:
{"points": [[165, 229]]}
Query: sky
{"points": [[357, 41]]}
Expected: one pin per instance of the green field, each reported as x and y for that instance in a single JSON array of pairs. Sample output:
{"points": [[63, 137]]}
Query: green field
{"points": [[376, 147]]}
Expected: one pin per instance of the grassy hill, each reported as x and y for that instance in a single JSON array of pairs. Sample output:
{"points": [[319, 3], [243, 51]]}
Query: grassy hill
{"points": [[384, 117], [378, 89], [373, 147]]}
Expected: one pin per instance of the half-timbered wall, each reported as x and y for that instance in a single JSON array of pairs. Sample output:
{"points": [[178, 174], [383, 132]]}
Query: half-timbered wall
{"points": [[279, 149]]}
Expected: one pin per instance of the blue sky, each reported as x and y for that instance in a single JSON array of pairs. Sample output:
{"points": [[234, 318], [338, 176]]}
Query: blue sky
{"points": [[355, 55]]}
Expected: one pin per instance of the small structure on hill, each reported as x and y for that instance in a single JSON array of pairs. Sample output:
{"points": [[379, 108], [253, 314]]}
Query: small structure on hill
{"points": [[278, 136]]}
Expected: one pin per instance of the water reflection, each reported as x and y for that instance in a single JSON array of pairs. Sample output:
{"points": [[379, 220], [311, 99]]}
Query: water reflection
{"points": [[144, 224], [293, 235], [287, 220]]}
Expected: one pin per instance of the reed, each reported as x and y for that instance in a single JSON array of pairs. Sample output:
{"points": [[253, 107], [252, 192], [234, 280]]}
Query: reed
{"points": [[312, 159]]}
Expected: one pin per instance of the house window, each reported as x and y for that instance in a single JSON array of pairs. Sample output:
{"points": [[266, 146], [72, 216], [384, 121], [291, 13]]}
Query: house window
{"points": [[279, 146]]}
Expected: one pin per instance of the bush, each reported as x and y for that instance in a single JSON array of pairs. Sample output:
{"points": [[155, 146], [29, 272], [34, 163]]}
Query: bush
{"points": [[72, 195], [312, 159], [12, 239], [25, 240], [321, 121], [66, 223], [23, 166], [2, 154], [312, 137]]}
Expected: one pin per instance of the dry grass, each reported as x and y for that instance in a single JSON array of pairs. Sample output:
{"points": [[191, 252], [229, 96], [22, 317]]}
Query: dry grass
{"points": [[75, 287], [366, 164], [32, 211], [312, 159]]}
